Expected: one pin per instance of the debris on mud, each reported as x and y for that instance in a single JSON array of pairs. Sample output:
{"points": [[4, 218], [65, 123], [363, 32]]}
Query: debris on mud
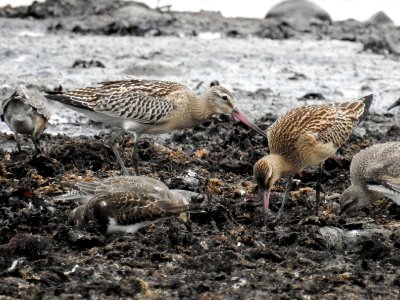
{"points": [[226, 250]]}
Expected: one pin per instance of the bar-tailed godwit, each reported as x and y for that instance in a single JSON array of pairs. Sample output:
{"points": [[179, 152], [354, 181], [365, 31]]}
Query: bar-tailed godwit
{"points": [[150, 107], [306, 136], [374, 174], [85, 190], [127, 203], [26, 112]]}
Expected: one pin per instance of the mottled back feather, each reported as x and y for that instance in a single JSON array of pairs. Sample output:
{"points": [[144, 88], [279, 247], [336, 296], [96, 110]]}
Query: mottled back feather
{"points": [[130, 208], [144, 101], [140, 184], [314, 126]]}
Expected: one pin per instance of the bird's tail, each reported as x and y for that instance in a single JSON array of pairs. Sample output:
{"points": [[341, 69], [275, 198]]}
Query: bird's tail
{"points": [[68, 99], [358, 109], [397, 103], [387, 188], [74, 195], [367, 100]]}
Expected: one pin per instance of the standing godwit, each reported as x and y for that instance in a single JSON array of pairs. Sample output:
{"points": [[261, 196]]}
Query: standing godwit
{"points": [[306, 136], [374, 174], [149, 107], [397, 114], [127, 203], [26, 113]]}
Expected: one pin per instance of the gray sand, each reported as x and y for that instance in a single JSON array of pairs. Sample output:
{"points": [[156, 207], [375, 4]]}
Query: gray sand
{"points": [[282, 71]]}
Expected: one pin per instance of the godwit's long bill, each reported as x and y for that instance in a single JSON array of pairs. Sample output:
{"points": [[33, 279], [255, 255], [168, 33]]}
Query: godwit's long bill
{"points": [[306, 136], [149, 107]]}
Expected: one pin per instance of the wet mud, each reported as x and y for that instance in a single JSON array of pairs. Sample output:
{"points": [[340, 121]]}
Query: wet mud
{"points": [[224, 253]]}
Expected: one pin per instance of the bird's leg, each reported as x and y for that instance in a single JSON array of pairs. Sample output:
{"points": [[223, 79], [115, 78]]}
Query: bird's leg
{"points": [[18, 142], [289, 185], [135, 155], [114, 137], [36, 142], [318, 189]]}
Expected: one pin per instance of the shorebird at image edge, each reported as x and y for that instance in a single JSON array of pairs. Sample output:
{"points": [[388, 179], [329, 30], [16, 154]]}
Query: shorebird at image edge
{"points": [[397, 113], [149, 107], [26, 112], [306, 136], [374, 174]]}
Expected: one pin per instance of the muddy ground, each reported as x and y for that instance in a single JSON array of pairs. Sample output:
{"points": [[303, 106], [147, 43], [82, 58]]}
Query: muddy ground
{"points": [[225, 252]]}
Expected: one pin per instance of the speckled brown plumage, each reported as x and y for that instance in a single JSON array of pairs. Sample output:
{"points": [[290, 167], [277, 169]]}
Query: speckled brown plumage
{"points": [[127, 211], [145, 101], [85, 190], [150, 106], [306, 136]]}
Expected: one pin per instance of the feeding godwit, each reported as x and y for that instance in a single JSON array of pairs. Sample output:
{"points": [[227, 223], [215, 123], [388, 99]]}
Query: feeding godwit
{"points": [[306, 136], [85, 190], [149, 107], [127, 203], [397, 114], [26, 113], [374, 174]]}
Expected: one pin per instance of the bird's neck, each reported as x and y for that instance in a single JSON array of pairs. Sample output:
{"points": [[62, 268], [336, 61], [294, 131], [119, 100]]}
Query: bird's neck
{"points": [[366, 193], [280, 165], [201, 108]]}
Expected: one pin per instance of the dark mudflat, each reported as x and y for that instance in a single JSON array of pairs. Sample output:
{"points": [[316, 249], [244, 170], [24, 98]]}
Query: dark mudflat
{"points": [[225, 253]]}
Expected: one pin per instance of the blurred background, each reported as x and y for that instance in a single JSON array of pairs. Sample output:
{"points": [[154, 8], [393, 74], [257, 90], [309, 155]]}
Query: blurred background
{"points": [[338, 9], [273, 54]]}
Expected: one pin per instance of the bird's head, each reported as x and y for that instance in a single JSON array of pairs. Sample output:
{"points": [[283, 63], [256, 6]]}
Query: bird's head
{"points": [[77, 216], [353, 199], [223, 101], [266, 174]]}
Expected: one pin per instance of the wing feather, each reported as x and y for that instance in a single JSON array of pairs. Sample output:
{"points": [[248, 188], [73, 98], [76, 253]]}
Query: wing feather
{"points": [[144, 101]]}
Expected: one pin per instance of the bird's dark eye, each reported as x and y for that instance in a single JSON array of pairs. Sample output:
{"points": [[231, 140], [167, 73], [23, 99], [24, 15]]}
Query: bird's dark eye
{"points": [[225, 98]]}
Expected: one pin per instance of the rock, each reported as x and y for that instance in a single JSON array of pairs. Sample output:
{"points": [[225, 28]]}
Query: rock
{"points": [[299, 12], [64, 8], [380, 18], [81, 63], [312, 96]]}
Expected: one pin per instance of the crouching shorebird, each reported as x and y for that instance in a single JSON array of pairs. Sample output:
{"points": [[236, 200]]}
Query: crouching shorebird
{"points": [[306, 136], [149, 107], [127, 203], [85, 190], [26, 113], [374, 174]]}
